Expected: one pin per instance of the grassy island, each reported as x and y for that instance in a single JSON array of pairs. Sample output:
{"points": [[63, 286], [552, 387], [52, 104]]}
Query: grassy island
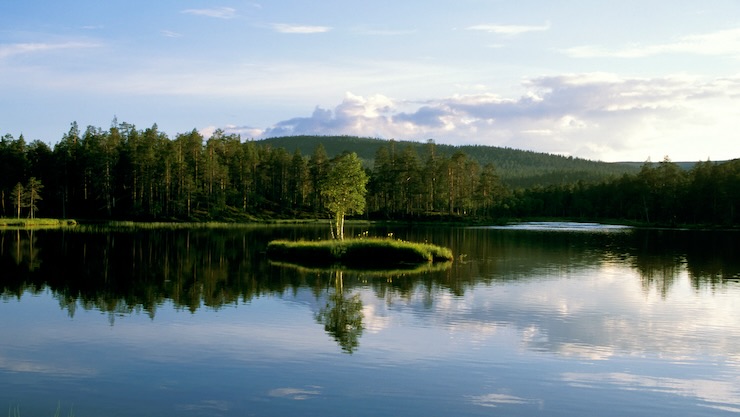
{"points": [[366, 253]]}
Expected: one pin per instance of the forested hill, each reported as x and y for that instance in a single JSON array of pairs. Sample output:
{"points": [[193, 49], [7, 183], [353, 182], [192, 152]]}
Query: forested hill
{"points": [[517, 168]]}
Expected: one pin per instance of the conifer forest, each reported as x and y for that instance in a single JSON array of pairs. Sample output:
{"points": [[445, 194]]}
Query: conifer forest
{"points": [[142, 174]]}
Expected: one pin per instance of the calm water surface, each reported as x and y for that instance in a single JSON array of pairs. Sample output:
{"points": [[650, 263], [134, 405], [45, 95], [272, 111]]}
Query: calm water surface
{"points": [[539, 319]]}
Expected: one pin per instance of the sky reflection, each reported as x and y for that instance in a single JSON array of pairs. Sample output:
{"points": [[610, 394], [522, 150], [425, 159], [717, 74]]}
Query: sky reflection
{"points": [[594, 314], [719, 394]]}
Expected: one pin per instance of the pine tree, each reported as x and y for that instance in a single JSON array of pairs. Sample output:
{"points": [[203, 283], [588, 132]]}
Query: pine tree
{"points": [[33, 195], [18, 201]]}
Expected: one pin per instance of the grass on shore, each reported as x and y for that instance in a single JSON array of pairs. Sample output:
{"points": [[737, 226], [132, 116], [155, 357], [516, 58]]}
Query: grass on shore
{"points": [[366, 253], [40, 223], [130, 224]]}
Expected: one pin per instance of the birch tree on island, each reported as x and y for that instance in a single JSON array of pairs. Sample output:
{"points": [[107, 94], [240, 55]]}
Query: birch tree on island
{"points": [[343, 191]]}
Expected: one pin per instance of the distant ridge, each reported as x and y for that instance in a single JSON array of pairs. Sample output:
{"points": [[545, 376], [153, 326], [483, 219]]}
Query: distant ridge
{"points": [[517, 168], [683, 165]]}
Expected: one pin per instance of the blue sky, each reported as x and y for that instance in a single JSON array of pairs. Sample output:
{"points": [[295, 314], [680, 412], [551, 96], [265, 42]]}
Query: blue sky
{"points": [[612, 81]]}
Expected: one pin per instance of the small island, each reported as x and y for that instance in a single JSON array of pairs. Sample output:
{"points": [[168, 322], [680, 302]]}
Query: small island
{"points": [[364, 253], [343, 190]]}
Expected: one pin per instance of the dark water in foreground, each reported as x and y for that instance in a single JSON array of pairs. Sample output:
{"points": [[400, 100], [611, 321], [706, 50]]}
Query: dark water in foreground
{"points": [[576, 321]]}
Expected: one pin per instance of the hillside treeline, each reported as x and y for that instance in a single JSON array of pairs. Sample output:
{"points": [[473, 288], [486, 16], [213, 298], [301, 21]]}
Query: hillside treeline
{"points": [[129, 173], [517, 168], [660, 194]]}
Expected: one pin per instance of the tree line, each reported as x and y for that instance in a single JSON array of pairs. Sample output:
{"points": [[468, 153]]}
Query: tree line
{"points": [[517, 168], [660, 193], [129, 173]]}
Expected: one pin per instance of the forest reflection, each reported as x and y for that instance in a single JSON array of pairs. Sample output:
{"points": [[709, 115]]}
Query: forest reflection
{"points": [[121, 272]]}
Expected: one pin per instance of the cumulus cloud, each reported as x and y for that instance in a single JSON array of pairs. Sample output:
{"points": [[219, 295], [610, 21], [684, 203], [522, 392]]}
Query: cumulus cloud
{"points": [[356, 115], [599, 116], [217, 12], [724, 42], [510, 30], [299, 29]]}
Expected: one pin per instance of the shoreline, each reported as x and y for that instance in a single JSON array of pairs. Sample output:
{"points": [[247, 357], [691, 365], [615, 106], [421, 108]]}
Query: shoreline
{"points": [[15, 223], [41, 223]]}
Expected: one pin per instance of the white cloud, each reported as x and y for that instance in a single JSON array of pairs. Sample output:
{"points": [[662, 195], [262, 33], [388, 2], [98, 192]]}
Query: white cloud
{"points": [[356, 115], [8, 50], [724, 42], [510, 30], [218, 12], [246, 132], [599, 116], [299, 29]]}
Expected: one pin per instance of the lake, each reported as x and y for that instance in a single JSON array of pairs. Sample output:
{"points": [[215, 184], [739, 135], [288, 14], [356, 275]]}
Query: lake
{"points": [[537, 319]]}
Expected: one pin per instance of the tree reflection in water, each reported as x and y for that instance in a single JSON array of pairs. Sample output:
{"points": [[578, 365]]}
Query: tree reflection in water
{"points": [[342, 315], [120, 272]]}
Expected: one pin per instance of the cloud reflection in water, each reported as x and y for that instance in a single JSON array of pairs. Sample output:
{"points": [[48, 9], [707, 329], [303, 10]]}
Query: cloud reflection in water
{"points": [[723, 395]]}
